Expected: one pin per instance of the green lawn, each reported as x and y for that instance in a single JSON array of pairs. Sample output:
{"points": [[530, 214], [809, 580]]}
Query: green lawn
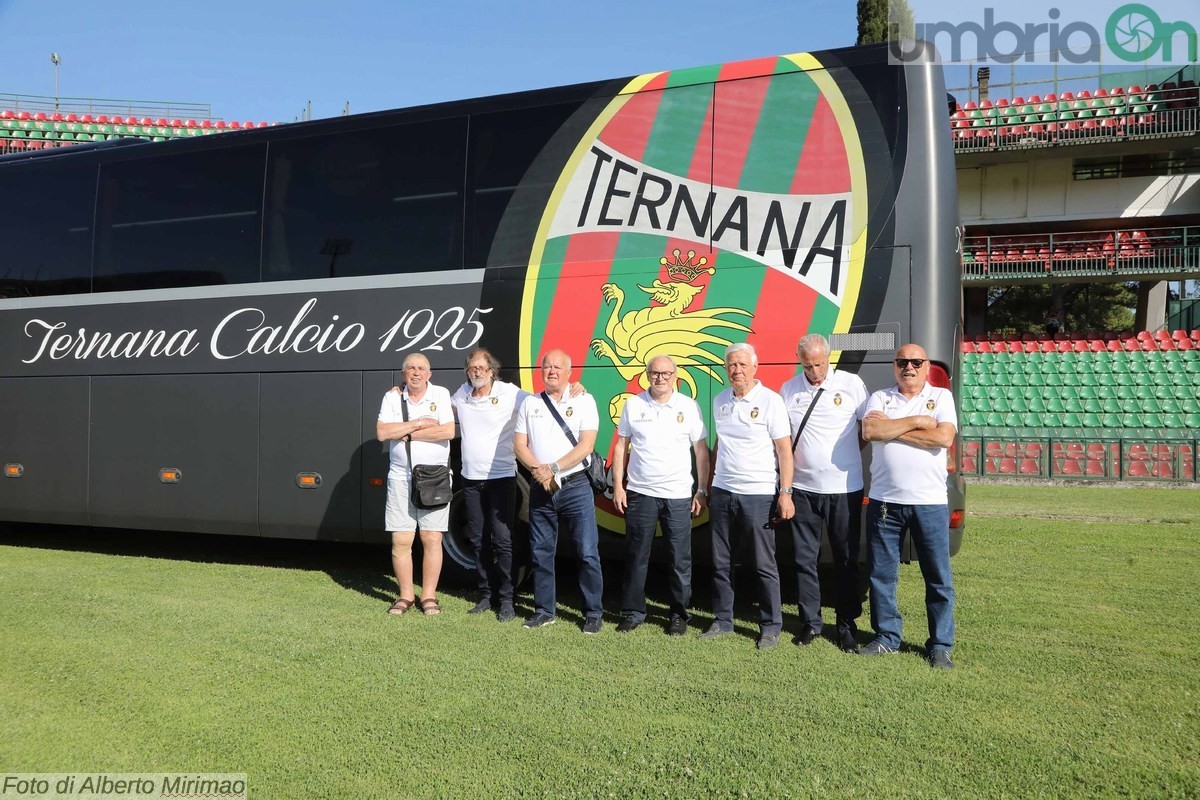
{"points": [[1077, 674]]}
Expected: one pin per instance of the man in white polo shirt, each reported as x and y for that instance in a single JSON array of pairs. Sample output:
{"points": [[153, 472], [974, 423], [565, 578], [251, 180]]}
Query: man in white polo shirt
{"points": [[486, 409], [663, 429], [754, 460], [560, 494], [910, 426], [417, 418], [826, 407]]}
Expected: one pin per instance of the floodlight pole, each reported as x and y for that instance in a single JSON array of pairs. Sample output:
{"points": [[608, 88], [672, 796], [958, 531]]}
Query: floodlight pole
{"points": [[55, 60]]}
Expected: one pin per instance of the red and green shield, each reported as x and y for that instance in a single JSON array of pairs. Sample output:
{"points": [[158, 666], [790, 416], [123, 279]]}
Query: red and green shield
{"points": [[703, 207]]}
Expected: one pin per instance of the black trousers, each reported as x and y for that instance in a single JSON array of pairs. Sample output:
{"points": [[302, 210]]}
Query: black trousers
{"points": [[738, 518], [841, 515], [642, 516], [489, 508]]}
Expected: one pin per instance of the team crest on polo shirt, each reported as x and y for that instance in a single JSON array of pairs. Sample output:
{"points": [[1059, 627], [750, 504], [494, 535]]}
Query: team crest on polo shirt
{"points": [[679, 417], [495, 401], [570, 411], [929, 404], [754, 413], [433, 406], [837, 399]]}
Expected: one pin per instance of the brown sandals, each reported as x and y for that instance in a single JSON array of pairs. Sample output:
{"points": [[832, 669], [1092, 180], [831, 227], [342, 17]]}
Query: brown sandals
{"points": [[402, 605], [430, 607]]}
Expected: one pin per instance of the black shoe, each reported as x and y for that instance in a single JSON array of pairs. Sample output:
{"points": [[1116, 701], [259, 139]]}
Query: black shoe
{"points": [[714, 631], [628, 624], [592, 625], [678, 627], [847, 639], [875, 648], [506, 613], [767, 641], [483, 605], [940, 659], [540, 620], [806, 636]]}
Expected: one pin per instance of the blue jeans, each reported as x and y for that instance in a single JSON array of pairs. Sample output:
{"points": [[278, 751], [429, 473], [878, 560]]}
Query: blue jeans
{"points": [[737, 520], [641, 518], [929, 526], [574, 508]]}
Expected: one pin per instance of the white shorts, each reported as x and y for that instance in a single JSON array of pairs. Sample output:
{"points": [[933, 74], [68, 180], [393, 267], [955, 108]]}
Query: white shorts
{"points": [[401, 515]]}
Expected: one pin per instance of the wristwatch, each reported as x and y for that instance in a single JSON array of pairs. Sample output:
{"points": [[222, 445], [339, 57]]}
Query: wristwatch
{"points": [[554, 467], [702, 492], [785, 490]]}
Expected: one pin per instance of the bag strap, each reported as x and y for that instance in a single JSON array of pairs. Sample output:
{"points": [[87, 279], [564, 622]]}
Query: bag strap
{"points": [[408, 439], [558, 418], [807, 414]]}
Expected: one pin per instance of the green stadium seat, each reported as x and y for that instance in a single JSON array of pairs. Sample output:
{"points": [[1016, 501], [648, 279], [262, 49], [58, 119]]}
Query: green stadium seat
{"points": [[1143, 392], [1106, 379], [1030, 420], [1071, 420], [1165, 392], [1051, 420], [1017, 404], [995, 420], [1151, 405], [1111, 405], [1189, 405], [1191, 421], [1170, 405], [1012, 420], [1172, 421], [1053, 379], [1055, 404], [999, 404], [1111, 421], [1152, 420], [1165, 378], [1088, 393], [1092, 406], [1036, 404], [1128, 420]]}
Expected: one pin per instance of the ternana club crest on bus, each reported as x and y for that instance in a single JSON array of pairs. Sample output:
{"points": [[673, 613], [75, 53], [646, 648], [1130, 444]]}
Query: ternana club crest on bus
{"points": [[700, 208]]}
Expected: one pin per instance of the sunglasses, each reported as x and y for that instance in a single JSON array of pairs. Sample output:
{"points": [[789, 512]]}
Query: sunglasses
{"points": [[915, 363]]}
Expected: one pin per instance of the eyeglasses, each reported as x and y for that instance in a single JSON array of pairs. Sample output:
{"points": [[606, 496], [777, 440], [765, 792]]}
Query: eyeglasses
{"points": [[661, 376], [915, 363]]}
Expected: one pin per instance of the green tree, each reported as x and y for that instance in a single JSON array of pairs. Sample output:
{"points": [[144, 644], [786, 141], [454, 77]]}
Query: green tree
{"points": [[1084, 307], [884, 21]]}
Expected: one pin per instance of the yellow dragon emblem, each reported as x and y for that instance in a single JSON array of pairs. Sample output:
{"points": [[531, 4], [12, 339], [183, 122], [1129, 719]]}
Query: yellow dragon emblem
{"points": [[634, 337]]}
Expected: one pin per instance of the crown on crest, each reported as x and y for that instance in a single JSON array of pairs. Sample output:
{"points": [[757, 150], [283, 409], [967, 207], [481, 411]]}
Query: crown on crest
{"points": [[686, 269]]}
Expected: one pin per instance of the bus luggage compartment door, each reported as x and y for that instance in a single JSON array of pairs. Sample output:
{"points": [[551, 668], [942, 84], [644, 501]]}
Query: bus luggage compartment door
{"points": [[43, 429], [204, 427]]}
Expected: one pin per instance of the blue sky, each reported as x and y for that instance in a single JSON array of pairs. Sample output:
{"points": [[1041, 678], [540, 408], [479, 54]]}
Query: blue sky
{"points": [[264, 59]]}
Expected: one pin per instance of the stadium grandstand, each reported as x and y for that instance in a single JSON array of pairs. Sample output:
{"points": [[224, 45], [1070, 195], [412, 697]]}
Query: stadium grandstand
{"points": [[1083, 184], [30, 122]]}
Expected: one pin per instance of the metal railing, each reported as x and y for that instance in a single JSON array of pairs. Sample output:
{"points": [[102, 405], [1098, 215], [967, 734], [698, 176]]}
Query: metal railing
{"points": [[1164, 460], [1053, 128], [34, 103], [1081, 254]]}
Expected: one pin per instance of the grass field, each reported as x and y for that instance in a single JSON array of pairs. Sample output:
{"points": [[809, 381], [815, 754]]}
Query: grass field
{"points": [[1077, 674]]}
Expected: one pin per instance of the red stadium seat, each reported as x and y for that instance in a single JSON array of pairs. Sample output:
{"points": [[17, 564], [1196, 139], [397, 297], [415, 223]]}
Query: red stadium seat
{"points": [[1138, 469], [1095, 468], [1008, 466], [1030, 466], [1070, 466], [968, 465]]}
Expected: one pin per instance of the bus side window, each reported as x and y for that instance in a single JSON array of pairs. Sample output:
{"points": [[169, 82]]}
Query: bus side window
{"points": [[46, 228], [368, 202], [185, 219]]}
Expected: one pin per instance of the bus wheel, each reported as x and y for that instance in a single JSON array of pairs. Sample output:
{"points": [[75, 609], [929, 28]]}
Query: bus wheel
{"points": [[458, 565]]}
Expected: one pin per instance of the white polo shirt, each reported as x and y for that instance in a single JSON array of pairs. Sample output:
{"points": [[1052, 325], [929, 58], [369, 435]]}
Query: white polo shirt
{"points": [[435, 403], [546, 437], [901, 472], [747, 428], [827, 456], [662, 434], [486, 425]]}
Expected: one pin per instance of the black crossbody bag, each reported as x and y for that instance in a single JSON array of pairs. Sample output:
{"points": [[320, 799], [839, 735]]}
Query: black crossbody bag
{"points": [[593, 465], [431, 487]]}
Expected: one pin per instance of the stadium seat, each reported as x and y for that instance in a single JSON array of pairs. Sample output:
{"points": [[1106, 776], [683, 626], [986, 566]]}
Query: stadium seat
{"points": [[1069, 466], [1095, 468]]}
